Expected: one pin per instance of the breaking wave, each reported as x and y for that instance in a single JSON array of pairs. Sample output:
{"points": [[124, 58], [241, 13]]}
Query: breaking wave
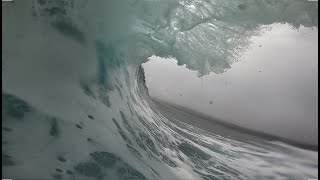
{"points": [[75, 104]]}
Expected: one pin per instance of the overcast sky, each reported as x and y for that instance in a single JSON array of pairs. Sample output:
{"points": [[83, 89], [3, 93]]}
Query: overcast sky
{"points": [[273, 88]]}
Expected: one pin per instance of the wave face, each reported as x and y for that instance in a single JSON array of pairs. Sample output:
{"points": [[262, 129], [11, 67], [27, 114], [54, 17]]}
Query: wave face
{"points": [[75, 104]]}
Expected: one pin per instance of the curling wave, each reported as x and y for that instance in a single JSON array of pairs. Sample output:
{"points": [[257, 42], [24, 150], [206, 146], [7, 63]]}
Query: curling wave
{"points": [[75, 103]]}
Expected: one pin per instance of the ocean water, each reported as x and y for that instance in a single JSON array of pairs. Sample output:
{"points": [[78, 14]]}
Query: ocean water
{"points": [[75, 104]]}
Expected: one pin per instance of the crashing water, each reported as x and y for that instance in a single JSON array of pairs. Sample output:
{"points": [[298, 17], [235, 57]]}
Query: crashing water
{"points": [[75, 104]]}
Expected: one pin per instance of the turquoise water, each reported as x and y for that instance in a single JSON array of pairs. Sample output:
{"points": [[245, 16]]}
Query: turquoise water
{"points": [[75, 105]]}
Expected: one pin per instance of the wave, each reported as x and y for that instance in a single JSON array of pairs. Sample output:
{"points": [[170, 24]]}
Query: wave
{"points": [[75, 103]]}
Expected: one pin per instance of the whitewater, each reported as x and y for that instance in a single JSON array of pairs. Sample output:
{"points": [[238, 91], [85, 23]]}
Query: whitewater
{"points": [[75, 104]]}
